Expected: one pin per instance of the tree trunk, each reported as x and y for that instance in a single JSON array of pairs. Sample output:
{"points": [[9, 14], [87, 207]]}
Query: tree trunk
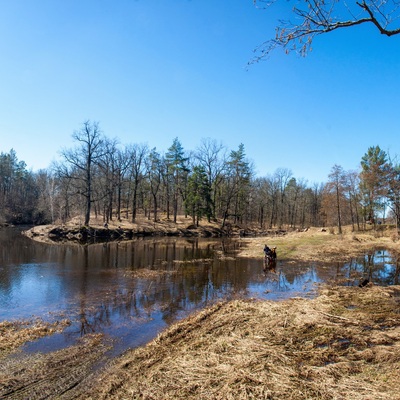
{"points": [[155, 207], [338, 211]]}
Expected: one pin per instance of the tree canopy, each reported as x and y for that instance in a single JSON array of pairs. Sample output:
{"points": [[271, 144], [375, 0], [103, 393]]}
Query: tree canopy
{"points": [[101, 177]]}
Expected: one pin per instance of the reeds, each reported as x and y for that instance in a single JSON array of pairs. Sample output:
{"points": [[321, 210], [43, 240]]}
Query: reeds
{"points": [[343, 344]]}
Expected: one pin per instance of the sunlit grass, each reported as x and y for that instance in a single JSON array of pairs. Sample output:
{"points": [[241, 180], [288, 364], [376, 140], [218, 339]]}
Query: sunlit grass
{"points": [[317, 245], [297, 349]]}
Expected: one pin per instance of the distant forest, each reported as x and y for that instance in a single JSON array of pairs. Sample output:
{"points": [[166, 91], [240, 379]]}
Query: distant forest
{"points": [[100, 177]]}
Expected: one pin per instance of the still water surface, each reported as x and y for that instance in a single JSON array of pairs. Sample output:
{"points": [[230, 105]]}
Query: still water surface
{"points": [[130, 291]]}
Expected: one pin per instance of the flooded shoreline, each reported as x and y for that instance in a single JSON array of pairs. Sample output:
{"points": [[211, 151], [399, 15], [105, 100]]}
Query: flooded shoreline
{"points": [[344, 338], [85, 306], [131, 291]]}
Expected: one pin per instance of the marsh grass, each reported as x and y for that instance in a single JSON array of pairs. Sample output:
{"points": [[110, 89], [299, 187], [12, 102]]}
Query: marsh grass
{"points": [[147, 273], [51, 376], [15, 333], [315, 245], [344, 344]]}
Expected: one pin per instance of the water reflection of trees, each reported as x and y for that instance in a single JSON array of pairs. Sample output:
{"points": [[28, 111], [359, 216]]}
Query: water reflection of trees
{"points": [[16, 251], [198, 279], [102, 287], [188, 276], [379, 267], [280, 281]]}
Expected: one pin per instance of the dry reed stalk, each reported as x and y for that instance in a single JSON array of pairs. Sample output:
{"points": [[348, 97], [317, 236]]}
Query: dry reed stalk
{"points": [[146, 273], [344, 344]]}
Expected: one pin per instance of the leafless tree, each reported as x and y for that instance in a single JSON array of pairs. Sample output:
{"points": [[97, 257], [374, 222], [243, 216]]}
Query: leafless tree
{"points": [[352, 187], [211, 155], [108, 169], [82, 160], [137, 158], [282, 177], [123, 163]]}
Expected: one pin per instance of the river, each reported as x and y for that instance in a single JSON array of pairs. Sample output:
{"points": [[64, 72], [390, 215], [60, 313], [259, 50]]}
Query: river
{"points": [[132, 290]]}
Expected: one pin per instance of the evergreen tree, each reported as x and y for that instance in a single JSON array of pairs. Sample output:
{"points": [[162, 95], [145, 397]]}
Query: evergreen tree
{"points": [[374, 181], [177, 171], [198, 200]]}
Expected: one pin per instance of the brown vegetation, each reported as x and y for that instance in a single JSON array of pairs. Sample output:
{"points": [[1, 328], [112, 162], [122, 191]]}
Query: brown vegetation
{"points": [[343, 344], [125, 230], [53, 375], [316, 244], [15, 333]]}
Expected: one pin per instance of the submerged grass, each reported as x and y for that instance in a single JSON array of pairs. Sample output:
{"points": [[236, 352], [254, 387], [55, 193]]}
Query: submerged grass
{"points": [[55, 375], [15, 333]]}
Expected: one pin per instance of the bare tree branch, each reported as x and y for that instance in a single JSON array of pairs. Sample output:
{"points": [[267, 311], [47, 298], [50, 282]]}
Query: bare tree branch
{"points": [[316, 17]]}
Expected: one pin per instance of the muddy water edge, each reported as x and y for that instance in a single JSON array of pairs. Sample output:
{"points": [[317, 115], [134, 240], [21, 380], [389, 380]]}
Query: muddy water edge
{"points": [[68, 308]]}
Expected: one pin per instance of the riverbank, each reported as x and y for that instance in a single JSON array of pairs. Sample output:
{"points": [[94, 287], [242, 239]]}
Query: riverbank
{"points": [[98, 231], [316, 244], [343, 344], [307, 245]]}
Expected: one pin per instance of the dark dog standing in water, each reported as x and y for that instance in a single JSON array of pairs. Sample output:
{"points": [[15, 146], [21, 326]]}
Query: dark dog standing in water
{"points": [[269, 259]]}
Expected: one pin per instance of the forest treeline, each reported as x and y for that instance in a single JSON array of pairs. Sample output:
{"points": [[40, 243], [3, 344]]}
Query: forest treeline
{"points": [[100, 177]]}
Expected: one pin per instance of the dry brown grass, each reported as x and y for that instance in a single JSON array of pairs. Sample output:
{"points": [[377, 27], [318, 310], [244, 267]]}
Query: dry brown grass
{"points": [[51, 376], [315, 245], [15, 333], [345, 344], [145, 273], [142, 224]]}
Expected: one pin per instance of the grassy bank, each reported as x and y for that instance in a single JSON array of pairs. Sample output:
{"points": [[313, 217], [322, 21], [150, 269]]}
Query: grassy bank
{"points": [[315, 244], [343, 344]]}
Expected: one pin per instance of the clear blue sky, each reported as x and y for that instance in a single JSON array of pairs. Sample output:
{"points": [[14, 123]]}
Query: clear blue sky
{"points": [[150, 71]]}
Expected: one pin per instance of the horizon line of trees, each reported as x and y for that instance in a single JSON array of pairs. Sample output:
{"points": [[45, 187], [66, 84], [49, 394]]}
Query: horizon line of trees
{"points": [[100, 177]]}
